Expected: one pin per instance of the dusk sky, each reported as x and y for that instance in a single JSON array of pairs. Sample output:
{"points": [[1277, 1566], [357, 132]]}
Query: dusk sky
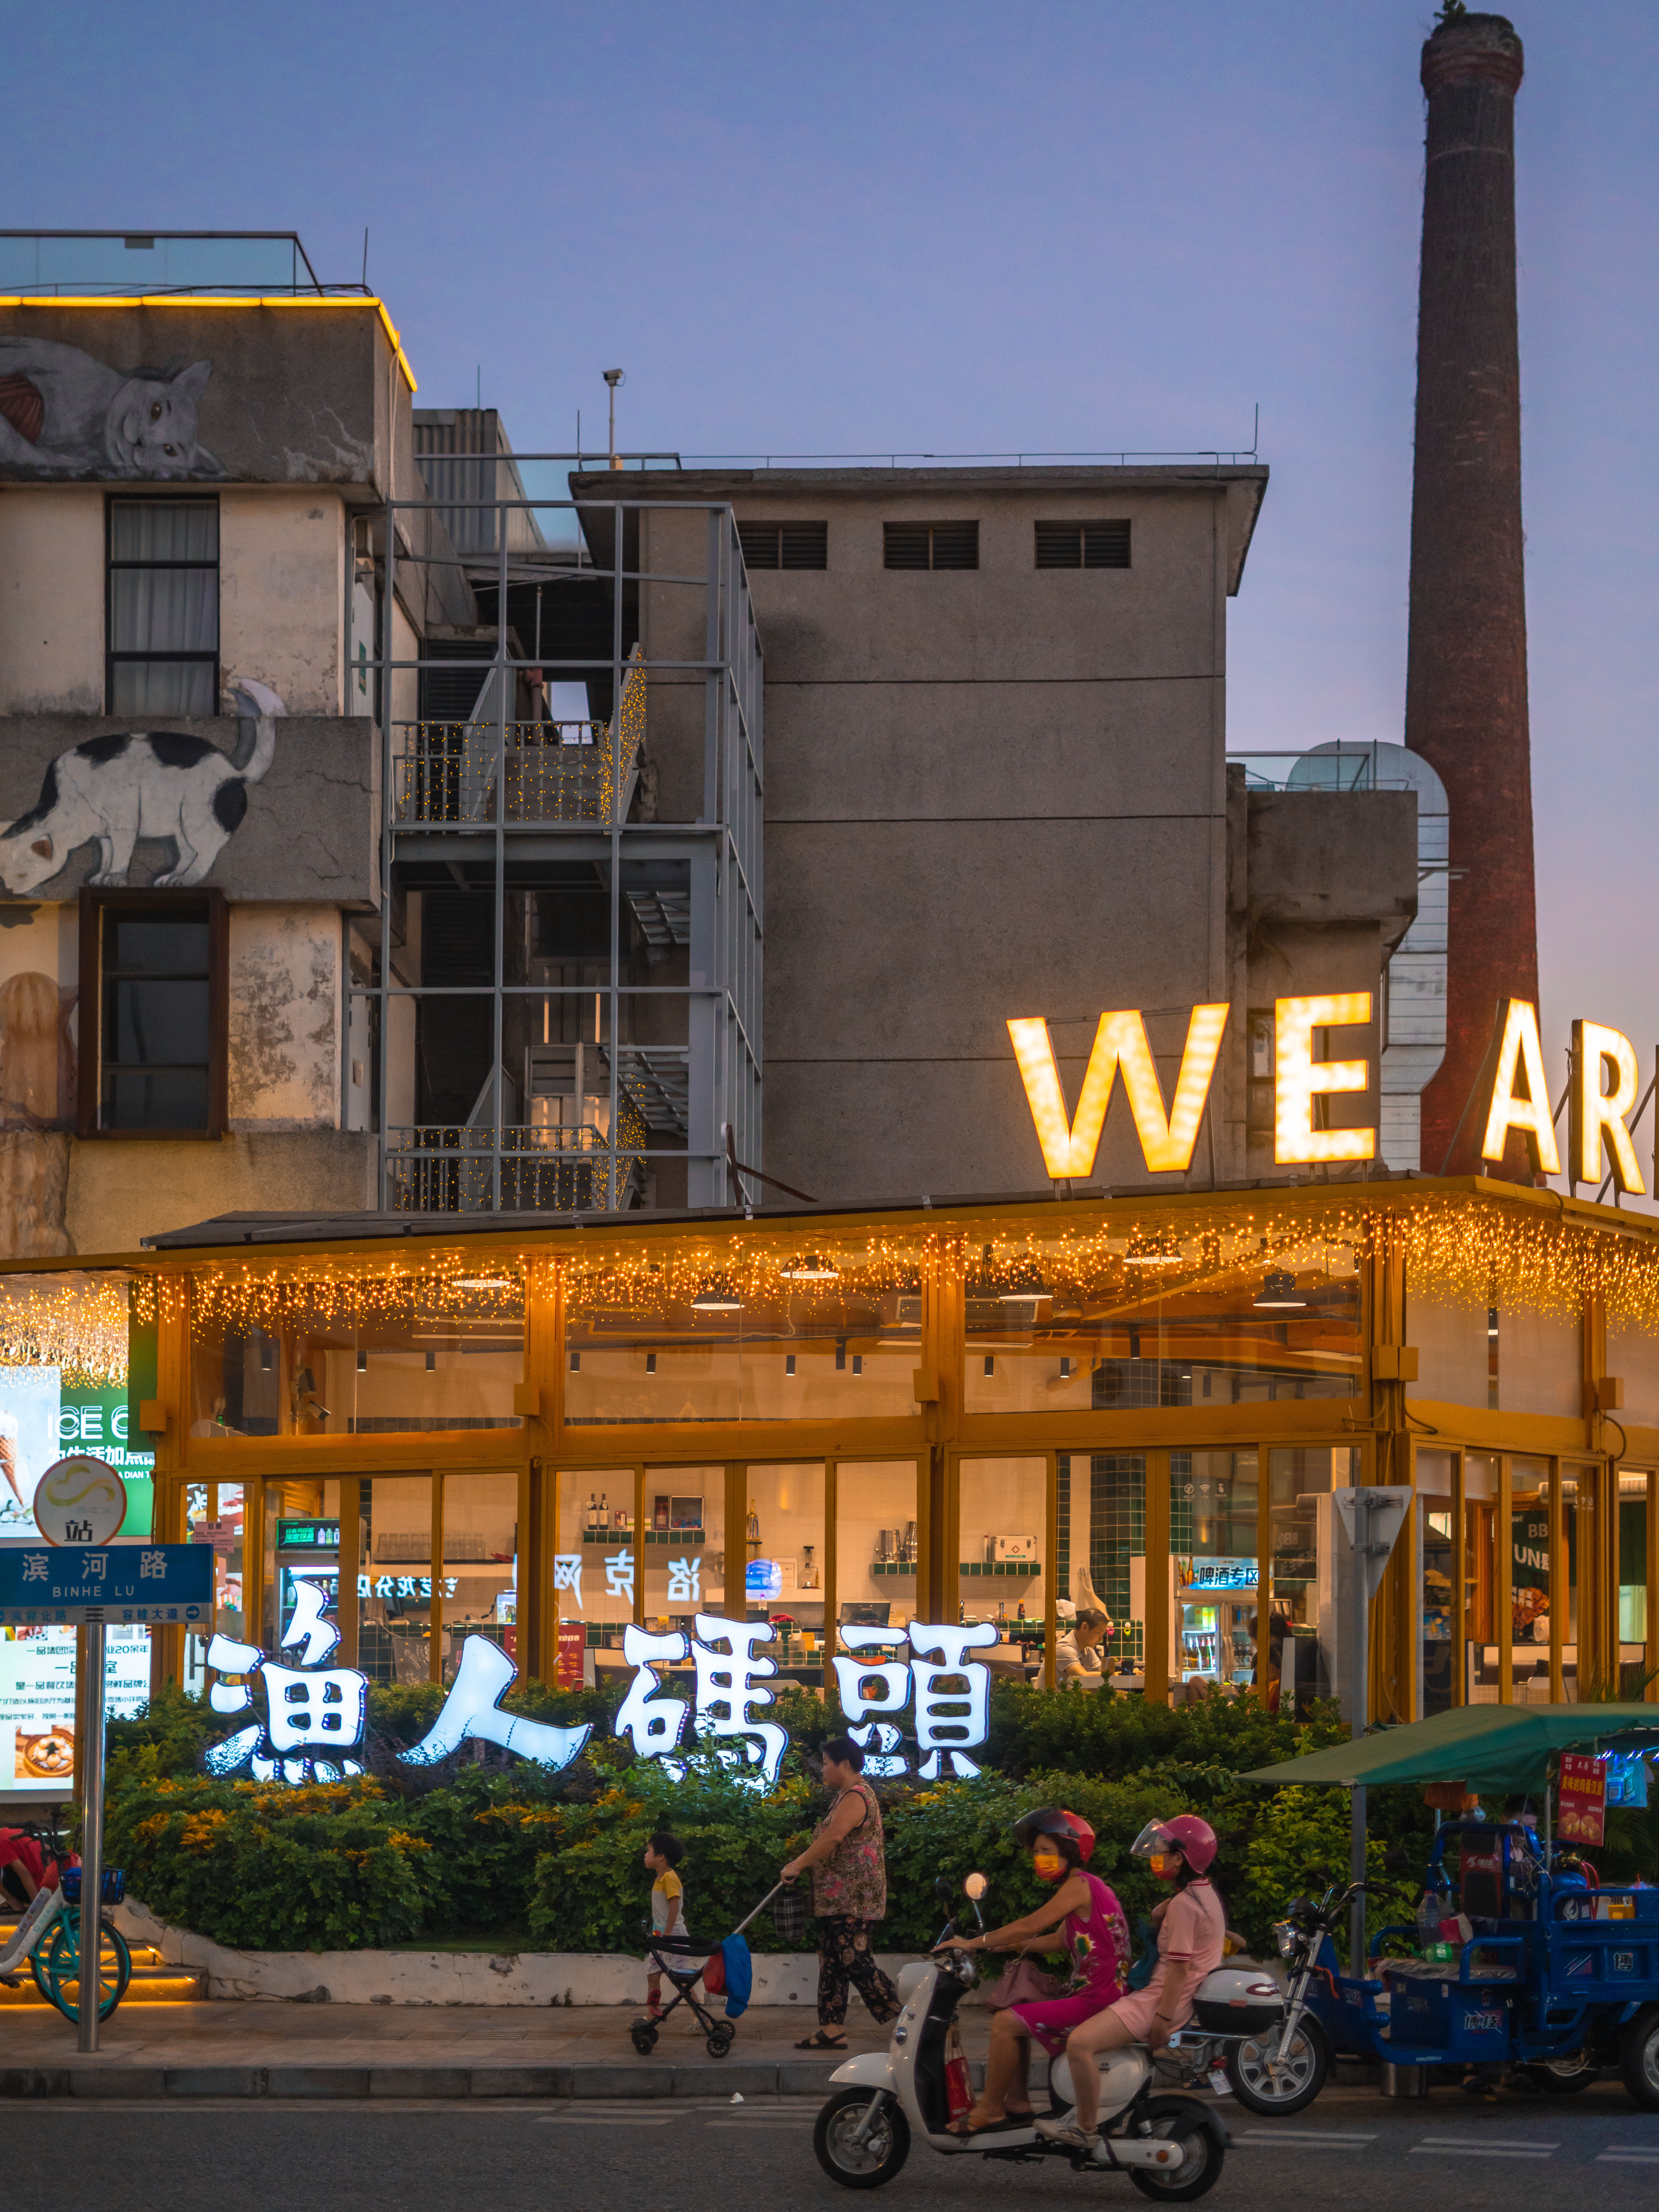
{"points": [[979, 229]]}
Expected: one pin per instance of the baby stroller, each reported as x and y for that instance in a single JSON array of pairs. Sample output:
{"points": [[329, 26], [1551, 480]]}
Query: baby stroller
{"points": [[721, 1967]]}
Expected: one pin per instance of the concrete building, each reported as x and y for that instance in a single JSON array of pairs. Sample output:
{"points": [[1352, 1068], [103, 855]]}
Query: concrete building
{"points": [[391, 821], [996, 786]]}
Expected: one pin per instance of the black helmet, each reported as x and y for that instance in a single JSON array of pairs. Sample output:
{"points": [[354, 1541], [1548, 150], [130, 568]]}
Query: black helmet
{"points": [[1054, 1821]]}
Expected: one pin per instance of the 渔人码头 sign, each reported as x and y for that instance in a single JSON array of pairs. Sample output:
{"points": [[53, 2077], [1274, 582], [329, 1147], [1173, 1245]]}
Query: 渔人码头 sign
{"points": [[1581, 1800], [314, 1715], [1512, 1099]]}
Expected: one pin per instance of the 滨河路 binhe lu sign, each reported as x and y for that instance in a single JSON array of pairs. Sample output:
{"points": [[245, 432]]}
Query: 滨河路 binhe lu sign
{"points": [[313, 1714], [1602, 1091]]}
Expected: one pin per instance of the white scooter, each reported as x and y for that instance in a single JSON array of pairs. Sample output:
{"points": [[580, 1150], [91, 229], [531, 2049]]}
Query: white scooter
{"points": [[1171, 2146]]}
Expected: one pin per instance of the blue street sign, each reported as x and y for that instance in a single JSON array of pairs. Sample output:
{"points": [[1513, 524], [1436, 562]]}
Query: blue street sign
{"points": [[60, 1586]]}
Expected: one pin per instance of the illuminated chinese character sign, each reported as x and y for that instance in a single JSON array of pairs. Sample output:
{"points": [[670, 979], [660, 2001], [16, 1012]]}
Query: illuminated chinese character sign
{"points": [[314, 1716]]}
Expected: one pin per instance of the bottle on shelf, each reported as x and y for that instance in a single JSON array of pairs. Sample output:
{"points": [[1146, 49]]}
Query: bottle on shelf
{"points": [[1021, 1609], [753, 1532]]}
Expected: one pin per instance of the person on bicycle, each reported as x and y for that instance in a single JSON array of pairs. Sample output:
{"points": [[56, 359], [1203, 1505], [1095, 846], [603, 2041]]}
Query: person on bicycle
{"points": [[1084, 1916], [23, 1866], [1192, 1936]]}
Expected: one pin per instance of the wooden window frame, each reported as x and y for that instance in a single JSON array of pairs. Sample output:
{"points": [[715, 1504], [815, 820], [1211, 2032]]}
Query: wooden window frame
{"points": [[94, 903]]}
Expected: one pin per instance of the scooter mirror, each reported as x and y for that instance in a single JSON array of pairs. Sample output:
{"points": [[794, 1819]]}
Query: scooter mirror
{"points": [[975, 1886]]}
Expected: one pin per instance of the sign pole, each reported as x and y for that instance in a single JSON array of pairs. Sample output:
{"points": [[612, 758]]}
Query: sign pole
{"points": [[92, 1840]]}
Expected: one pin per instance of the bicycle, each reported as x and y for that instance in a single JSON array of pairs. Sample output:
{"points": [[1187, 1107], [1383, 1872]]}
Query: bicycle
{"points": [[49, 1936]]}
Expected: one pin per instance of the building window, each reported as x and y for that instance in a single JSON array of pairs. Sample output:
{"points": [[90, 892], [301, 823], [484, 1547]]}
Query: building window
{"points": [[929, 545], [1083, 545], [153, 1018], [785, 544], [162, 620]]}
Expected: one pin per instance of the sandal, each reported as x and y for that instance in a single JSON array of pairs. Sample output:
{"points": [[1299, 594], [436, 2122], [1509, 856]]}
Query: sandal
{"points": [[824, 2041]]}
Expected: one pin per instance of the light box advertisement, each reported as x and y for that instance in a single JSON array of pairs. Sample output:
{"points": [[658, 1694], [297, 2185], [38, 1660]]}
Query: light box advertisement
{"points": [[37, 1701], [41, 1421]]}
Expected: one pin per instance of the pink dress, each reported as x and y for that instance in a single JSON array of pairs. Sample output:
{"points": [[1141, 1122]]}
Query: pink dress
{"points": [[1192, 1936], [1097, 1948]]}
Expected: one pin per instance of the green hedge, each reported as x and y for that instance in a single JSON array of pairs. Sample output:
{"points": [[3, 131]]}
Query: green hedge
{"points": [[504, 1850]]}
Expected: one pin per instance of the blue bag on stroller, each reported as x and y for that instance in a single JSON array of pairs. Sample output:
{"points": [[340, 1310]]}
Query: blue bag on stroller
{"points": [[740, 1975]]}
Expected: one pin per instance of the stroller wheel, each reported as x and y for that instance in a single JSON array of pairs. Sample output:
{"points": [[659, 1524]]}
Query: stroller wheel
{"points": [[644, 2037], [720, 2042]]}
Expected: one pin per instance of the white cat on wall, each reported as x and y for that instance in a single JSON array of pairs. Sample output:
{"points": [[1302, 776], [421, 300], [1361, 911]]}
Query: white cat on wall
{"points": [[65, 413], [142, 783]]}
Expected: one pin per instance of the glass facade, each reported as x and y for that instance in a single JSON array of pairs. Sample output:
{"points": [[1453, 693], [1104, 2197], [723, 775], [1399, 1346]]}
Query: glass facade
{"points": [[985, 1414]]}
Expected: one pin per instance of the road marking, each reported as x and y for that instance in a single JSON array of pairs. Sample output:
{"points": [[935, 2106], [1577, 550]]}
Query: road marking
{"points": [[1629, 2154], [1487, 2143], [1482, 2150], [757, 2122], [607, 2119], [1308, 2135]]}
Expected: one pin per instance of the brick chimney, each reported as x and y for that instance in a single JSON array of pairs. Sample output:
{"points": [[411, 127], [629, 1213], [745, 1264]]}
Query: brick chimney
{"points": [[1465, 676]]}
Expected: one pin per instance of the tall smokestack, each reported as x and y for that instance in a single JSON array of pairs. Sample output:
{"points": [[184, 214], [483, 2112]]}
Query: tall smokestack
{"points": [[1466, 673]]}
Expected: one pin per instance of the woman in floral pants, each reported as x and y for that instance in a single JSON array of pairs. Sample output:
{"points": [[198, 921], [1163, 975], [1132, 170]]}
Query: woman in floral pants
{"points": [[849, 1896]]}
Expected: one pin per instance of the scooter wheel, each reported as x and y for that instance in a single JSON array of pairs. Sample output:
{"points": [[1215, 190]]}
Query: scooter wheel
{"points": [[1181, 2121], [1276, 2086], [1638, 2059], [877, 2157]]}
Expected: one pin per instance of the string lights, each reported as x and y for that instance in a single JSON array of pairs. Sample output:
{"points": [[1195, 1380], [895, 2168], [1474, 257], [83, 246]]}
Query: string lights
{"points": [[77, 1323], [1458, 1247]]}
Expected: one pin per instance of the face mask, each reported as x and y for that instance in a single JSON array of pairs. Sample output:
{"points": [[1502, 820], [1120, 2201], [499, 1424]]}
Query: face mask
{"points": [[1049, 1866], [1165, 1867]]}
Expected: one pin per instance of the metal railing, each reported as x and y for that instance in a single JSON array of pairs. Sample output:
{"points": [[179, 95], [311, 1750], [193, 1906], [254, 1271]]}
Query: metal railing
{"points": [[553, 772], [449, 1168]]}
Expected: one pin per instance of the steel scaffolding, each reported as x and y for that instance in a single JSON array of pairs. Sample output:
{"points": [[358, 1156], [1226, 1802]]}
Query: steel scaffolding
{"points": [[560, 1000]]}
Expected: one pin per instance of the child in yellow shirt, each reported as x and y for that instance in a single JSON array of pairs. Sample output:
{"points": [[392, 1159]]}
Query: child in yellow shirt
{"points": [[662, 1855]]}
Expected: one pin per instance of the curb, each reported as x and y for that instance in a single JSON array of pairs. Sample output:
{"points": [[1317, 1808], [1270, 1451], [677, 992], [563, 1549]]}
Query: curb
{"points": [[747, 2078]]}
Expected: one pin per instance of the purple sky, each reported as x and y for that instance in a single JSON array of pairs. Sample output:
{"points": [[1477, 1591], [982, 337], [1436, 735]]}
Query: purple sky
{"points": [[972, 228]]}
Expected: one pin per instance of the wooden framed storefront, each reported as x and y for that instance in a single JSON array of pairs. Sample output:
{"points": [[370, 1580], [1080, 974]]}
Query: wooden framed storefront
{"points": [[945, 1411]]}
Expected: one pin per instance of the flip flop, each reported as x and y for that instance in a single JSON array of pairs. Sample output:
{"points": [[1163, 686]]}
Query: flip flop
{"points": [[823, 2042]]}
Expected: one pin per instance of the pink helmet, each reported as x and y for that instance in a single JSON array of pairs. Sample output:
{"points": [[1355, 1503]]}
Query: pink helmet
{"points": [[1194, 1838]]}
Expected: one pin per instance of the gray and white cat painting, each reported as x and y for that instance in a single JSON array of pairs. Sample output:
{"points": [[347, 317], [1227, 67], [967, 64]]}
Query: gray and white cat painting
{"points": [[160, 784], [64, 414]]}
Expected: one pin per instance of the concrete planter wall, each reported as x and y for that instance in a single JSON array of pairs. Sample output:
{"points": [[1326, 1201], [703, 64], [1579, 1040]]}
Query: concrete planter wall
{"points": [[445, 1977]]}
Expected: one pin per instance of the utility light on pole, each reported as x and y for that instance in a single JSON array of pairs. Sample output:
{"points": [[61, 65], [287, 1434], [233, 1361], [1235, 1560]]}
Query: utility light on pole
{"points": [[613, 377]]}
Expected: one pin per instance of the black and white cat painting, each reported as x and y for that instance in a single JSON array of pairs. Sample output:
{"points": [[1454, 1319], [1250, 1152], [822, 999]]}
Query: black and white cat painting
{"points": [[64, 414], [160, 784]]}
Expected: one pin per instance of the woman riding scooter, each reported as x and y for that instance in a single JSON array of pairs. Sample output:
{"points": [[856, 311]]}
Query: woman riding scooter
{"points": [[1096, 1943], [1192, 1936]]}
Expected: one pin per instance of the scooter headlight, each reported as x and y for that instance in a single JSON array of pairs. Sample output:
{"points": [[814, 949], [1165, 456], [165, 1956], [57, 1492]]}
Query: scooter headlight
{"points": [[1286, 1936]]}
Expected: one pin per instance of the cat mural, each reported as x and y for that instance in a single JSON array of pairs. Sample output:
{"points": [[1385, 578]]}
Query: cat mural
{"points": [[142, 783], [64, 414]]}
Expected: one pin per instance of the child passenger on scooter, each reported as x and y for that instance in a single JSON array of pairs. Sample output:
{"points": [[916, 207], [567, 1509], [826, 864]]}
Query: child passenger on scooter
{"points": [[1096, 1943]]}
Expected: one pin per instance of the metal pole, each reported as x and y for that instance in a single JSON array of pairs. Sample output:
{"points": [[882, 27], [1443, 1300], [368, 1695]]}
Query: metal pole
{"points": [[1357, 1716], [1356, 1873], [92, 1838]]}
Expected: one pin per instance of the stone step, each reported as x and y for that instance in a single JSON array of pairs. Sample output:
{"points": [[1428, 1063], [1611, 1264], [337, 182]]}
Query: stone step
{"points": [[152, 1984]]}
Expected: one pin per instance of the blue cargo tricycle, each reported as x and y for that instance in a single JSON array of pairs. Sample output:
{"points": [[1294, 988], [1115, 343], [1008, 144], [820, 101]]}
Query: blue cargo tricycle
{"points": [[1540, 1969]]}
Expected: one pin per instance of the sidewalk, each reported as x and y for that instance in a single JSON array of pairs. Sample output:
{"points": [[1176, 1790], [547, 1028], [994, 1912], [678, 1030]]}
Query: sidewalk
{"points": [[274, 2049]]}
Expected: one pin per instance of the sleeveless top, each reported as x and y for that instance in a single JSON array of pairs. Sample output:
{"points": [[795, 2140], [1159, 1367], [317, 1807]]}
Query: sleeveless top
{"points": [[1097, 1948], [851, 1882]]}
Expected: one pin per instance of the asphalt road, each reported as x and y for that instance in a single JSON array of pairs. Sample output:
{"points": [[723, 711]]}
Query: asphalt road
{"points": [[1352, 2147]]}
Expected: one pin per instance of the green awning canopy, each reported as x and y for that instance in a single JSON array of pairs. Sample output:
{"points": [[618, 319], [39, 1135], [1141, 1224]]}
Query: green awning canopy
{"points": [[1497, 1750]]}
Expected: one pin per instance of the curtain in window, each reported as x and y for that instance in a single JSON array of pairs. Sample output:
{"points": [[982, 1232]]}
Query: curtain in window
{"points": [[166, 606]]}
